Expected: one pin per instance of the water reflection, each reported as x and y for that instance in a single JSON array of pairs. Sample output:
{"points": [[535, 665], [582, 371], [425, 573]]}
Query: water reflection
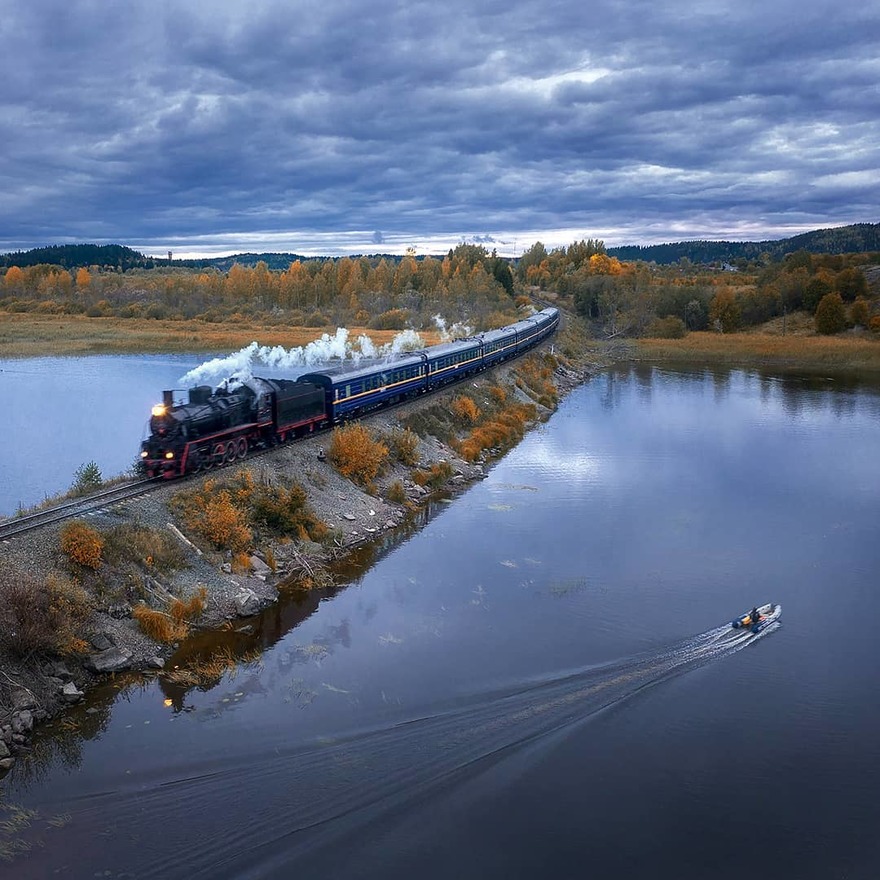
{"points": [[462, 664]]}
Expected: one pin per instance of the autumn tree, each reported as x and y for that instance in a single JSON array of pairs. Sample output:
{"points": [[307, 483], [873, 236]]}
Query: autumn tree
{"points": [[859, 313], [830, 314], [851, 283], [724, 311], [14, 279]]}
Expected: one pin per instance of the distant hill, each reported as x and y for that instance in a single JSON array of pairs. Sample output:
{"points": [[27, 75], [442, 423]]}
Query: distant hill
{"points": [[858, 238], [276, 262], [73, 256]]}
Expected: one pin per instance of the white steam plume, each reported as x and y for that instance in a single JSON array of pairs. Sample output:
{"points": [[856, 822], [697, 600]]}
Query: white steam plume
{"points": [[327, 348], [456, 331]]}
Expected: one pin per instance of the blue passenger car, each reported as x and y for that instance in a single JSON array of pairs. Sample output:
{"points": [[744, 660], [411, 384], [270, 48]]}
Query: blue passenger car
{"points": [[451, 360], [352, 390]]}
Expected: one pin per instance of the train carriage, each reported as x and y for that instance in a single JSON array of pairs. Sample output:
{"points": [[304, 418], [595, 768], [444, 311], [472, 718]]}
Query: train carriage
{"points": [[349, 392], [498, 345], [451, 360]]}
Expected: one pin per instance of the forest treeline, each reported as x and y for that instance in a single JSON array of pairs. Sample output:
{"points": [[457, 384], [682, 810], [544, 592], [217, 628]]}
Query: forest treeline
{"points": [[469, 286], [856, 238]]}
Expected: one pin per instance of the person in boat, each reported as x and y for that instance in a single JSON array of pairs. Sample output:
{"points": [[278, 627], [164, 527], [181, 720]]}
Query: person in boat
{"points": [[755, 615]]}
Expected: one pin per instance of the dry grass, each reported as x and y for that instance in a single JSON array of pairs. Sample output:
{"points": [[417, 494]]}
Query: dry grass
{"points": [[158, 625], [173, 625], [534, 375], [434, 476], [801, 351], [32, 335], [404, 445], [149, 548]]}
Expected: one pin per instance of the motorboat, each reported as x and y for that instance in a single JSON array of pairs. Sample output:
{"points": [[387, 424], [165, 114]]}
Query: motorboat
{"points": [[767, 614]]}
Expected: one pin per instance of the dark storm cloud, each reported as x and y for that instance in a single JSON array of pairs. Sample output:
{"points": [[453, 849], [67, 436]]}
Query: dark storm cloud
{"points": [[212, 126]]}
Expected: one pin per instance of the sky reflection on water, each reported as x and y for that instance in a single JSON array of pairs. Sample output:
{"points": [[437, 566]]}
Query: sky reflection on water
{"points": [[535, 614]]}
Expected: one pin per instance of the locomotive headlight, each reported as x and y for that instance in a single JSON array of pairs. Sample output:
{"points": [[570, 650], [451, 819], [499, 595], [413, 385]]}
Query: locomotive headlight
{"points": [[169, 455], [159, 410], [144, 454]]}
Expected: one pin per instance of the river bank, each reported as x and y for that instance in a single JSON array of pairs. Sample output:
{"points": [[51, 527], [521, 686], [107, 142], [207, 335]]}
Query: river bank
{"points": [[799, 349], [35, 687], [31, 335]]}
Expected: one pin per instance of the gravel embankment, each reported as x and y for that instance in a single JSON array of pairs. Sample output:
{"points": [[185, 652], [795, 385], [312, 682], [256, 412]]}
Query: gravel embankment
{"points": [[33, 691]]}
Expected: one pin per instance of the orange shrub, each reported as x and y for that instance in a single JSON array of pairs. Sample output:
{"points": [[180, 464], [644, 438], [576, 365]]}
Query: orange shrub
{"points": [[224, 525], [535, 377], [356, 454], [497, 393], [502, 431], [82, 544], [211, 513], [465, 410]]}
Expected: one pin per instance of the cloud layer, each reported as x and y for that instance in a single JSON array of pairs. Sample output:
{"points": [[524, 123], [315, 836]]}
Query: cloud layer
{"points": [[339, 127]]}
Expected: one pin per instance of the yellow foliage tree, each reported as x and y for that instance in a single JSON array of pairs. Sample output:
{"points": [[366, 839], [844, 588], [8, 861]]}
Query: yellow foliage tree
{"points": [[14, 279], [83, 278]]}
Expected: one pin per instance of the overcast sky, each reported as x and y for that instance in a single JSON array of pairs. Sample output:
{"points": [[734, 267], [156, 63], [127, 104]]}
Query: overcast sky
{"points": [[334, 126]]}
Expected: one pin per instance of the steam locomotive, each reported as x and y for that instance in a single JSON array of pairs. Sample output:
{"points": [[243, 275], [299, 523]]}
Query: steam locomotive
{"points": [[219, 426]]}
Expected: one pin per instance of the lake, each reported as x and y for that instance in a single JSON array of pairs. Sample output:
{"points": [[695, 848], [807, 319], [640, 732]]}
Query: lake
{"points": [[540, 680], [63, 412]]}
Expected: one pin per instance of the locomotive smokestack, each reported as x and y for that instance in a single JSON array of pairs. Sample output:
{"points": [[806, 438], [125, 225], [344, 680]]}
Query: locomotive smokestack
{"points": [[168, 399]]}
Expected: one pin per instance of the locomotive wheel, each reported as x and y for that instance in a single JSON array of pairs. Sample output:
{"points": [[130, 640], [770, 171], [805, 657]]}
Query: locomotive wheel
{"points": [[230, 452], [242, 447], [219, 454]]}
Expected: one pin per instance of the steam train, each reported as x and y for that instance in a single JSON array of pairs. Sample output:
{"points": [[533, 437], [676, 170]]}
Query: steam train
{"points": [[219, 426]]}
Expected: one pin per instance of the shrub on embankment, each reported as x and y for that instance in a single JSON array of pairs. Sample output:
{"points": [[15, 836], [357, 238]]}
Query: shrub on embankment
{"points": [[171, 625], [357, 454], [41, 616], [225, 514]]}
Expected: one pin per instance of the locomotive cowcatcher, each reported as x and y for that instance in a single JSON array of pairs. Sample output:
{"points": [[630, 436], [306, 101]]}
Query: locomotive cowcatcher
{"points": [[219, 426]]}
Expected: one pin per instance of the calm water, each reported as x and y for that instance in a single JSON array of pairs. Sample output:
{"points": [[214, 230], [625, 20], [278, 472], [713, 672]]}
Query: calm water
{"points": [[539, 682], [65, 412]]}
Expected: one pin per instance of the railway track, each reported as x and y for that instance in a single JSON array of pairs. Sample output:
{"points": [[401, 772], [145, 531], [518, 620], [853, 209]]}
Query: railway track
{"points": [[87, 504]]}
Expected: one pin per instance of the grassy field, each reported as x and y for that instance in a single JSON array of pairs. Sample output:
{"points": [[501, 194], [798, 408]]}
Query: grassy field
{"points": [[29, 335], [808, 353]]}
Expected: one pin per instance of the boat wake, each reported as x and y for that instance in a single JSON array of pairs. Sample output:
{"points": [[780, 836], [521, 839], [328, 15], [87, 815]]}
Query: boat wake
{"points": [[262, 814]]}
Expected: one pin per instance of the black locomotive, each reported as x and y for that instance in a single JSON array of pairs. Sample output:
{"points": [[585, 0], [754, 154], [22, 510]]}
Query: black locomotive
{"points": [[218, 426]]}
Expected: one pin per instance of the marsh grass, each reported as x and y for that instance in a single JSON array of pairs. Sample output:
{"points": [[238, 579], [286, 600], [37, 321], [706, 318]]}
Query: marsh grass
{"points": [[858, 353]]}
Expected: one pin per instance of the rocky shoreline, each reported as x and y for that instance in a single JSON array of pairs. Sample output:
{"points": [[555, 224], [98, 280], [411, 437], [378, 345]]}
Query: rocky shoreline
{"points": [[33, 690]]}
